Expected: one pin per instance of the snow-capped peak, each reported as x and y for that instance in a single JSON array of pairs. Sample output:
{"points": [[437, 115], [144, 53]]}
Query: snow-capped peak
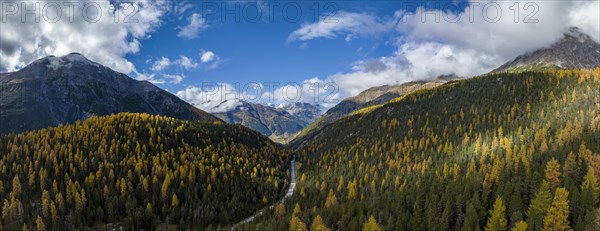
{"points": [[67, 61], [76, 57], [304, 111]]}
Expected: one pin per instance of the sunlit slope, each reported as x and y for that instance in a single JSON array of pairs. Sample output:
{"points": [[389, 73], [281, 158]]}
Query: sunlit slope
{"points": [[438, 159], [372, 96]]}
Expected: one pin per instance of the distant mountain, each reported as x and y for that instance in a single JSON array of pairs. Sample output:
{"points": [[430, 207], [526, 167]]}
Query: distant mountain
{"points": [[574, 50], [276, 122], [304, 111], [369, 97], [57, 90]]}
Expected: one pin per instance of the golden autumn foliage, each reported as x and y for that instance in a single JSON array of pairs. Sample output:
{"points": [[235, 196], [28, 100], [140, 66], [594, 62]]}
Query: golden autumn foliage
{"points": [[438, 159], [137, 169]]}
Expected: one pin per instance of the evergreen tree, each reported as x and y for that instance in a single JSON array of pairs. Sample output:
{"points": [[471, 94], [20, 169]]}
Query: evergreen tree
{"points": [[552, 174], [520, 226], [280, 210], [497, 220], [589, 188], [540, 204], [557, 218], [331, 199], [595, 224], [318, 225], [296, 210], [588, 200], [296, 224], [39, 224], [371, 225], [471, 221]]}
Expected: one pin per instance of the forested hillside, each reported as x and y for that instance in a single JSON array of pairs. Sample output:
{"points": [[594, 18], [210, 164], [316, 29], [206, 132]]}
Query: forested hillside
{"points": [[372, 96], [139, 170], [509, 151]]}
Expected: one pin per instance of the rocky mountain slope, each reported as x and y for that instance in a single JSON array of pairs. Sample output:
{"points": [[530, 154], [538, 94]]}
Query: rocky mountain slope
{"points": [[276, 122], [304, 111], [574, 50], [57, 90]]}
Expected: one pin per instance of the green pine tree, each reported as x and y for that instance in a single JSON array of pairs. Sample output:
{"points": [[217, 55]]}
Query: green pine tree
{"points": [[557, 218], [371, 225], [497, 220], [539, 207]]}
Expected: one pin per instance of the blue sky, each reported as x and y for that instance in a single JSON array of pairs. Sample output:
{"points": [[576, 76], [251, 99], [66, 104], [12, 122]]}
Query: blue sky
{"points": [[181, 45], [259, 51], [249, 50]]}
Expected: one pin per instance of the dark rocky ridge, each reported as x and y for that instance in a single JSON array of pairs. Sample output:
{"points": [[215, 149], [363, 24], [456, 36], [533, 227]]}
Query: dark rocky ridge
{"points": [[58, 90], [574, 50], [276, 122]]}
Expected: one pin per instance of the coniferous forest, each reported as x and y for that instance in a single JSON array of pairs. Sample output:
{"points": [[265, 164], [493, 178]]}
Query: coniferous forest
{"points": [[278, 115], [502, 151], [139, 170], [509, 151]]}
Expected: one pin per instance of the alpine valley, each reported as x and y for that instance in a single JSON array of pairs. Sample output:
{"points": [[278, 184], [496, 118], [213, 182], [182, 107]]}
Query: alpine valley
{"points": [[518, 149], [84, 147]]}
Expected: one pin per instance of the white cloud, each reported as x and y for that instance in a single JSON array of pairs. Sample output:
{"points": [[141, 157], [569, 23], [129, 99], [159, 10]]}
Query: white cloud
{"points": [[427, 49], [314, 91], [159, 79], [209, 59], [351, 24], [411, 62], [180, 7], [195, 26], [587, 17], [161, 64], [148, 77], [207, 56], [505, 38], [183, 62], [220, 97], [173, 78], [104, 41], [186, 62], [212, 97]]}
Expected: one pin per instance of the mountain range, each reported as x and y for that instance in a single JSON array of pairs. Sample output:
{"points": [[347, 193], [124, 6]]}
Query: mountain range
{"points": [[58, 90], [516, 148], [276, 122]]}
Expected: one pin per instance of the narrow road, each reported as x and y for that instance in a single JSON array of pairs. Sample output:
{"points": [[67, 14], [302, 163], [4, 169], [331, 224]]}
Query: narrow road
{"points": [[289, 193]]}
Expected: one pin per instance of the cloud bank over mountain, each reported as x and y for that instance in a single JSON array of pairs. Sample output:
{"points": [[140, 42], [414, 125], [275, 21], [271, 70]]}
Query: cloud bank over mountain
{"points": [[102, 30], [437, 42]]}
